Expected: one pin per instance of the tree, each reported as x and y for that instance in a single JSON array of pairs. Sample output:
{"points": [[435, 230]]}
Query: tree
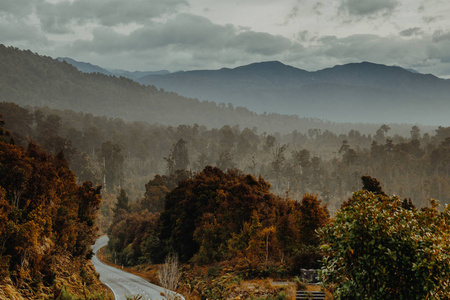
{"points": [[372, 185], [201, 162], [377, 249], [225, 161], [111, 157], [230, 196], [270, 142], [313, 216], [277, 163], [5, 135], [178, 158], [380, 135], [415, 133], [155, 193], [88, 205], [122, 202]]}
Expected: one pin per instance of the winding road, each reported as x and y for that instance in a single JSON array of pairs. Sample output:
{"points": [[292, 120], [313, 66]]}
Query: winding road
{"points": [[122, 283]]}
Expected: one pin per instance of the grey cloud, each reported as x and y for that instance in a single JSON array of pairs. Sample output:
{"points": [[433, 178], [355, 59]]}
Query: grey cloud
{"points": [[440, 48], [192, 41], [432, 19], [112, 12], [417, 52], [105, 40], [56, 17], [368, 7], [411, 31], [17, 32], [183, 32], [186, 32], [366, 47], [305, 36], [300, 9], [17, 8], [212, 46], [292, 15], [260, 43], [318, 7], [439, 36]]}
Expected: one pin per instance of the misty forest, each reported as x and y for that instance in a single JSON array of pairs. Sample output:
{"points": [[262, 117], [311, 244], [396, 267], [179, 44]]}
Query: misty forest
{"points": [[239, 196]]}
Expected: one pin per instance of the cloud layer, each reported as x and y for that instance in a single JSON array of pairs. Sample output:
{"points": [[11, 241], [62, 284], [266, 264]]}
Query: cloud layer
{"points": [[369, 7], [200, 34]]}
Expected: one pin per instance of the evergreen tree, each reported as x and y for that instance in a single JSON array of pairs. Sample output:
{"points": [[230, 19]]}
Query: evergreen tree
{"points": [[122, 202], [178, 158]]}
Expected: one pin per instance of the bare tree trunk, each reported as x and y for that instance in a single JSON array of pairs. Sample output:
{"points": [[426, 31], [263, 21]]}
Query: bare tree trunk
{"points": [[169, 276]]}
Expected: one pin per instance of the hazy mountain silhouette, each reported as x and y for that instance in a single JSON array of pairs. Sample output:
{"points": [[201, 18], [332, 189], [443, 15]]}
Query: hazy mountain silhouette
{"points": [[27, 78], [85, 67], [90, 68], [357, 91]]}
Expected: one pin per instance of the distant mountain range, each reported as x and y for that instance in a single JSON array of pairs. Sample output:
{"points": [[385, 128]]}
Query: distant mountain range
{"points": [[90, 68], [355, 92], [29, 79], [361, 92], [351, 93]]}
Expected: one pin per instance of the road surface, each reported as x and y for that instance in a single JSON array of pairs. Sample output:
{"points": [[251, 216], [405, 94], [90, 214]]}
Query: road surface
{"points": [[122, 283]]}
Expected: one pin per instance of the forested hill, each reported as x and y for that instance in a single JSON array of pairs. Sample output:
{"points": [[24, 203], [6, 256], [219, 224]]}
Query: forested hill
{"points": [[362, 92], [90, 68], [27, 78]]}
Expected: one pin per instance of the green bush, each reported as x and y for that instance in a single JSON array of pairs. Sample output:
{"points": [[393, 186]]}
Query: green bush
{"points": [[376, 248]]}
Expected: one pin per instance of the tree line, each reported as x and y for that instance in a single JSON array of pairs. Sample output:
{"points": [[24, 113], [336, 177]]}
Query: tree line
{"points": [[114, 153]]}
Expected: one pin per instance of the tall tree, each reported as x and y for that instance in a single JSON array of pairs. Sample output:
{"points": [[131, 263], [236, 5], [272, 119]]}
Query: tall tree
{"points": [[178, 158], [122, 202], [110, 155], [5, 135]]}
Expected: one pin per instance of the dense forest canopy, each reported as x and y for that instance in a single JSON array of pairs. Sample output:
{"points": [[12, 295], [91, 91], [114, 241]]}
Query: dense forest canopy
{"points": [[216, 216], [47, 223], [115, 154]]}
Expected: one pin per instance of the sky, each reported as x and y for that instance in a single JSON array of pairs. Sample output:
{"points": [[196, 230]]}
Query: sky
{"points": [[150, 35]]}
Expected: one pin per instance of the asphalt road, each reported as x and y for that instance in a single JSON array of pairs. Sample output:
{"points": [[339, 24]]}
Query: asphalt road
{"points": [[122, 283]]}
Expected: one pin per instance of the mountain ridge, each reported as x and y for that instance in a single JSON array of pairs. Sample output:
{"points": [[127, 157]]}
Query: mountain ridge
{"points": [[291, 101], [86, 67], [29, 79], [391, 92]]}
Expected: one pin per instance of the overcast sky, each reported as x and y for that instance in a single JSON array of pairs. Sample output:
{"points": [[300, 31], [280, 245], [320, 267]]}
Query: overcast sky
{"points": [[209, 34]]}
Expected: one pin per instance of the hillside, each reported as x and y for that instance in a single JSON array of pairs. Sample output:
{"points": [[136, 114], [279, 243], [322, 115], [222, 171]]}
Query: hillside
{"points": [[85, 67], [90, 68], [27, 78], [361, 92]]}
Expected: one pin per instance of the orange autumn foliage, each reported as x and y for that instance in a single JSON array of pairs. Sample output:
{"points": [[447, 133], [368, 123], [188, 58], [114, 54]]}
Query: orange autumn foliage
{"points": [[43, 213]]}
